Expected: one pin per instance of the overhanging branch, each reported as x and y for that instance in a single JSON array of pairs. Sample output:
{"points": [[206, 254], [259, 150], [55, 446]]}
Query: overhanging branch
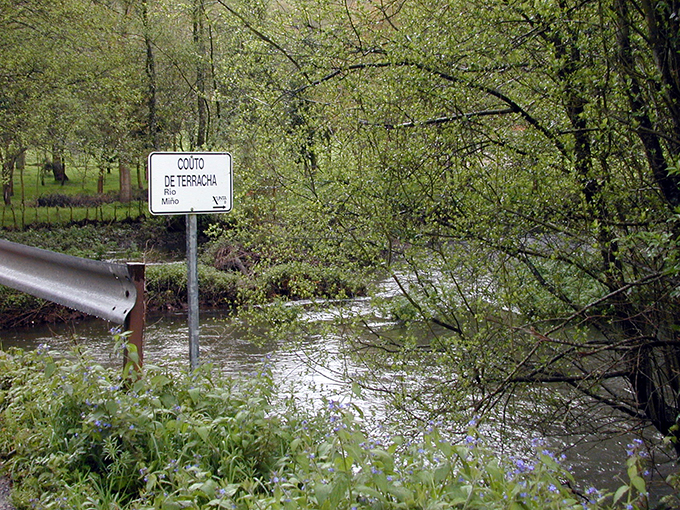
{"points": [[513, 106], [264, 37], [443, 120]]}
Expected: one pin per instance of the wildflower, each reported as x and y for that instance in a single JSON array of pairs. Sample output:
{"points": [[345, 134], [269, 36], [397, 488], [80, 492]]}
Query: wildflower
{"points": [[537, 441], [375, 470], [522, 466]]}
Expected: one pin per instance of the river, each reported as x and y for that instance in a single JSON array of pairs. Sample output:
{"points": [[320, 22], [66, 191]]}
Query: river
{"points": [[315, 367]]}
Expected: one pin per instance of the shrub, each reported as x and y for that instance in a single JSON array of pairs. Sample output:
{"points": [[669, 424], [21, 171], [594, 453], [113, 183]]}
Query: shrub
{"points": [[79, 436], [301, 280], [166, 286], [80, 200]]}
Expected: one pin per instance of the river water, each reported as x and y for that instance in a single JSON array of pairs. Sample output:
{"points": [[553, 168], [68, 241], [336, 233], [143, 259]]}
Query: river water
{"points": [[311, 368]]}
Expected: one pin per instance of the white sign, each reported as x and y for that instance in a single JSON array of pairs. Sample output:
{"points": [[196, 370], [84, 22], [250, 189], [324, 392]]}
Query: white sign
{"points": [[190, 182]]}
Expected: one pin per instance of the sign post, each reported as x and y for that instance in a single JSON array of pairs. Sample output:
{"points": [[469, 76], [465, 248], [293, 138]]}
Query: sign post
{"points": [[190, 183]]}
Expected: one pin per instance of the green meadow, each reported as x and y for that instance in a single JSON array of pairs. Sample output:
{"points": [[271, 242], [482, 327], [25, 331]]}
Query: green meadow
{"points": [[39, 199]]}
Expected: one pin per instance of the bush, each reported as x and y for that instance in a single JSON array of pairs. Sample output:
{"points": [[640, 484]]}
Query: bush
{"points": [[78, 436], [63, 200], [301, 280], [166, 286], [81, 436]]}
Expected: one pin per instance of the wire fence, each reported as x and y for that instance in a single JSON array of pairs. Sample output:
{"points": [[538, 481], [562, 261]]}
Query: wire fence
{"points": [[21, 217]]}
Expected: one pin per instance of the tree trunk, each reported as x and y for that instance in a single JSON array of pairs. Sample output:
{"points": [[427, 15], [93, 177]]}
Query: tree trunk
{"points": [[100, 181], [7, 174], [151, 76], [669, 183], [125, 195], [199, 41], [58, 166]]}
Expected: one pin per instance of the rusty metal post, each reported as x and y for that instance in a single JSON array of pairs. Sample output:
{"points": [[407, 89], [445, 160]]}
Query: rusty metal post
{"points": [[136, 319]]}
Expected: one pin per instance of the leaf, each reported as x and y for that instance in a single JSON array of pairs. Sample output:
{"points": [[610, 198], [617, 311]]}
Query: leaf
{"points": [[339, 491], [441, 473], [639, 483], [50, 368], [111, 406], [619, 493], [203, 433], [401, 493], [322, 491], [195, 395]]}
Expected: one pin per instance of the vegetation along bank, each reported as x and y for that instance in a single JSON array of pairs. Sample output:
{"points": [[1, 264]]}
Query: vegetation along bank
{"points": [[230, 277], [513, 167]]}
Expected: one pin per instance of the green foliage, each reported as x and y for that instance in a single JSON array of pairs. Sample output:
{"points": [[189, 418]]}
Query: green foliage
{"points": [[123, 240], [76, 435], [166, 286], [77, 431], [512, 163], [301, 280]]}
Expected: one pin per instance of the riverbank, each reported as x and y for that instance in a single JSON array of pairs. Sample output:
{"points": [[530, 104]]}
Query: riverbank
{"points": [[230, 275], [82, 439]]}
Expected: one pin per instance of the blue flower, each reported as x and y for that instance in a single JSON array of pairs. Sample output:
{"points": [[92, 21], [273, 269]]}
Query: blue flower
{"points": [[522, 466]]}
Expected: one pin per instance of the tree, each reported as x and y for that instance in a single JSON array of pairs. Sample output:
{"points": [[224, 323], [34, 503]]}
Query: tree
{"points": [[522, 159]]}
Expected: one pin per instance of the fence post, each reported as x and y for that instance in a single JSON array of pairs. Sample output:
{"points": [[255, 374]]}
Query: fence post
{"points": [[136, 319]]}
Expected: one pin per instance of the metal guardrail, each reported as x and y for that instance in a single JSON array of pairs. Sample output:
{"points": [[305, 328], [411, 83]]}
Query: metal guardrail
{"points": [[97, 288], [114, 292]]}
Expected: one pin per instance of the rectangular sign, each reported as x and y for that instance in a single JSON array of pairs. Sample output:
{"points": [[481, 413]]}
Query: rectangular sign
{"points": [[190, 182]]}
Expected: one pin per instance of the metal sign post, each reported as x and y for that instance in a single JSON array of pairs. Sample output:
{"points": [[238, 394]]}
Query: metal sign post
{"points": [[192, 289], [190, 183]]}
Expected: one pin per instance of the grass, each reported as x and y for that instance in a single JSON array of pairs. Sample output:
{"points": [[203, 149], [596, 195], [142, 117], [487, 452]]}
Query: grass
{"points": [[31, 184]]}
